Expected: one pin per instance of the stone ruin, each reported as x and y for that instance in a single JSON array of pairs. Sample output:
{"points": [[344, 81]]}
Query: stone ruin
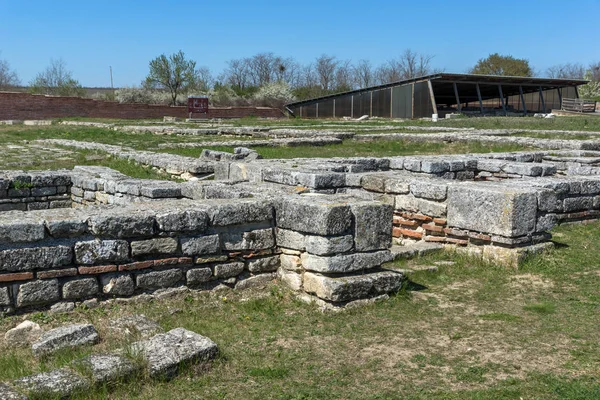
{"points": [[323, 227]]}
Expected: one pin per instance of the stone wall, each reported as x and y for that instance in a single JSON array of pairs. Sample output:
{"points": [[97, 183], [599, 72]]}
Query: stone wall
{"points": [[23, 106], [20, 190]]}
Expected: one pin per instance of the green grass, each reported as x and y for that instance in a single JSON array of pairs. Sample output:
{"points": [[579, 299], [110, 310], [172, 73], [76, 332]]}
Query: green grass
{"points": [[477, 331]]}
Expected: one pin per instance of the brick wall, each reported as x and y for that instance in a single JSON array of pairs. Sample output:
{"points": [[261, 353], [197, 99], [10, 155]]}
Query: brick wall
{"points": [[21, 106]]}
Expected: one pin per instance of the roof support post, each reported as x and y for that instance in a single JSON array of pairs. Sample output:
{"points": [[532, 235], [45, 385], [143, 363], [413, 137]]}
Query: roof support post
{"points": [[333, 108], [317, 112], [458, 107], [502, 99], [542, 99], [352, 106], [391, 102], [479, 97], [432, 96], [576, 92], [522, 100], [560, 96], [371, 106]]}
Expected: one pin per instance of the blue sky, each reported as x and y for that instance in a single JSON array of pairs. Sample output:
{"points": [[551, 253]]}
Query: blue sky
{"points": [[91, 36]]}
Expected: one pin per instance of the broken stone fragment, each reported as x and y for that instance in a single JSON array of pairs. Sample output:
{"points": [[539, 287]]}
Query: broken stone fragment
{"points": [[25, 333], [64, 337]]}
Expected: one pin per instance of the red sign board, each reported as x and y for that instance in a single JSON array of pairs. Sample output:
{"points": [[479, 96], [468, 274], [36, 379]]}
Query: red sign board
{"points": [[198, 105]]}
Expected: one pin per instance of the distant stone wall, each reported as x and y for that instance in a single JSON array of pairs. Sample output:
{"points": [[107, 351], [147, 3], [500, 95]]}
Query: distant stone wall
{"points": [[37, 190], [23, 106]]}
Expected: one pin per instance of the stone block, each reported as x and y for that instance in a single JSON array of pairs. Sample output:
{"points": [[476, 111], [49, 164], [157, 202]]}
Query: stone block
{"points": [[354, 287], [25, 333], [429, 189], [8, 393], [290, 239], [323, 216], [414, 204], [166, 245], [372, 225], [197, 276], [38, 292], [434, 166], [549, 201], [200, 245], [291, 279], [21, 229], [328, 245], [43, 191], [122, 226], [345, 263], [117, 284], [577, 204], [65, 337], [60, 384], [183, 221], [396, 186], [255, 281], [526, 169], [240, 212], [30, 258], [264, 264], [290, 262], [374, 183], [5, 297], [254, 240], [101, 252], [80, 289], [159, 279], [165, 353], [229, 270], [501, 210], [107, 368]]}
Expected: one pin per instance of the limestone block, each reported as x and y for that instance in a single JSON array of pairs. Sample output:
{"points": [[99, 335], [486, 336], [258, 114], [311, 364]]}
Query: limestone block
{"points": [[429, 189], [5, 297], [30, 258], [154, 246], [60, 383], [501, 210], [229, 270], [80, 289], [117, 284], [20, 228], [345, 263], [25, 333], [290, 239], [311, 214], [183, 221], [290, 262], [414, 204], [122, 225], [101, 251], [64, 337], [107, 368], [264, 264], [159, 279], [291, 279], [198, 276], [7, 393], [38, 292], [253, 240], [200, 245], [327, 245], [353, 287], [255, 281], [240, 212], [372, 225]]}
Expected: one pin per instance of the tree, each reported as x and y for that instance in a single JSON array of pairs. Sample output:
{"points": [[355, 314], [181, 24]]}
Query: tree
{"points": [[56, 80], [325, 68], [566, 71], [363, 74], [410, 64], [173, 73], [591, 90], [8, 77], [496, 64]]}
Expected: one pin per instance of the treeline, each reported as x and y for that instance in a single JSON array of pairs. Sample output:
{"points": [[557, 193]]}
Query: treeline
{"points": [[267, 79]]}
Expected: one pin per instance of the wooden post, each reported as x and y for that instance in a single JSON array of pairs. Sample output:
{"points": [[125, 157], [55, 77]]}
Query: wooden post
{"points": [[522, 100], [432, 96], [542, 100], [502, 99], [458, 107], [479, 97]]}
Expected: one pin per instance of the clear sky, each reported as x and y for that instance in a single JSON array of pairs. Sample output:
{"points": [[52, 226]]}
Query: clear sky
{"points": [[90, 36]]}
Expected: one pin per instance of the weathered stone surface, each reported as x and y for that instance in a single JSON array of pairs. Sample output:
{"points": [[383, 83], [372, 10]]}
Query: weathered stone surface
{"points": [[64, 337], [159, 279], [345, 263], [290, 239], [165, 353], [137, 325], [80, 289], [25, 333], [327, 245], [62, 307], [290, 262], [313, 214], [265, 264], [354, 287], [254, 240], [291, 279], [200, 245], [256, 281], [229, 270], [59, 383], [7, 393], [101, 251], [372, 226], [38, 292], [30, 258], [154, 246], [501, 210], [414, 204], [240, 212], [198, 276], [17, 227], [107, 368], [122, 226], [5, 297], [183, 221], [429, 189], [117, 284]]}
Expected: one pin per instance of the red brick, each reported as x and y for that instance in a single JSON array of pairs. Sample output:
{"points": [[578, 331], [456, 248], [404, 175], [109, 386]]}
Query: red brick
{"points": [[480, 237], [455, 232], [17, 276], [396, 232], [417, 216], [258, 253], [432, 228], [397, 220], [440, 221], [136, 265], [185, 261], [57, 273], [410, 223], [98, 269], [460, 242], [166, 262], [411, 234]]}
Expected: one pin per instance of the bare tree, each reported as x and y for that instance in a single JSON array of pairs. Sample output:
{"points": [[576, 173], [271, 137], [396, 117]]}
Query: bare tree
{"points": [[344, 79], [236, 74], [595, 68], [325, 68], [408, 65], [8, 77], [204, 79], [56, 79], [566, 71], [363, 74]]}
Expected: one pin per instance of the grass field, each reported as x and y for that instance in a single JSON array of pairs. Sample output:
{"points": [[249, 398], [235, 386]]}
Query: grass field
{"points": [[469, 331]]}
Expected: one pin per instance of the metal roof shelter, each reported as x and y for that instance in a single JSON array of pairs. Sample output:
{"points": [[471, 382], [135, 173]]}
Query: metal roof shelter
{"points": [[441, 94]]}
